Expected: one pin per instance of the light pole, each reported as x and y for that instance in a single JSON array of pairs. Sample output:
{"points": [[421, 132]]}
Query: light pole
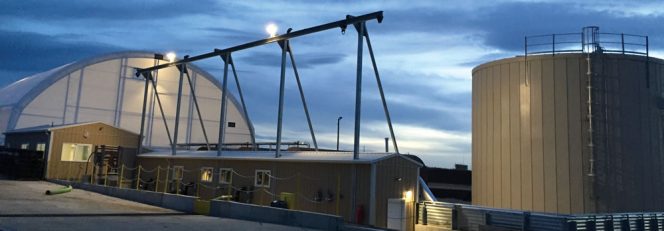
{"points": [[338, 121]]}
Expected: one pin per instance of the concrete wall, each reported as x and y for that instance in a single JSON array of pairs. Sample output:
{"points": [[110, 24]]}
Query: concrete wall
{"points": [[531, 133], [258, 213], [176, 202]]}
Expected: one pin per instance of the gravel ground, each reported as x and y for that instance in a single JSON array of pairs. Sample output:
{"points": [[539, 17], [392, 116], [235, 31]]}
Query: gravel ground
{"points": [[24, 206]]}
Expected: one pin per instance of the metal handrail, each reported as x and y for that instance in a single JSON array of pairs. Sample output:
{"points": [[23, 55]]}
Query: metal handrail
{"points": [[560, 43]]}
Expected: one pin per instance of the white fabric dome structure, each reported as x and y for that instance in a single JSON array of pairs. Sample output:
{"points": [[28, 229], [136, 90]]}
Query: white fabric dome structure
{"points": [[105, 89]]}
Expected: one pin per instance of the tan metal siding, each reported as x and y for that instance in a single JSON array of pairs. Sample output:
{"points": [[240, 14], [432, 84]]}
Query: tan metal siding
{"points": [[303, 179], [536, 135], [526, 142], [97, 134], [504, 135], [514, 135], [561, 133]]}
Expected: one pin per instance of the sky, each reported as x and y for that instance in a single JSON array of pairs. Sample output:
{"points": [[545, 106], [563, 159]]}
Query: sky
{"points": [[425, 52]]}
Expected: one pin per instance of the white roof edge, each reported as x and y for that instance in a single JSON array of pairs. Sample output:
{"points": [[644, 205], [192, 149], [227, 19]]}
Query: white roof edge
{"points": [[86, 123]]}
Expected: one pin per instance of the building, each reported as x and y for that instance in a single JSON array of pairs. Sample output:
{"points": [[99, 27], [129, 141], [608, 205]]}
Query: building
{"points": [[105, 89], [86, 117], [324, 182], [574, 128], [68, 149]]}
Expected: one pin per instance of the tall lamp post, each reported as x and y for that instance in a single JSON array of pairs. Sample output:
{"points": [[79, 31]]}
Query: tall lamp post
{"points": [[338, 121]]}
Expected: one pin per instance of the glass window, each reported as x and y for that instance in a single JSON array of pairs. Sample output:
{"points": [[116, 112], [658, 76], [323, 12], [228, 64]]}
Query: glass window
{"points": [[226, 175], [262, 178], [76, 152], [231, 124], [25, 146], [178, 172], [206, 174], [41, 147]]}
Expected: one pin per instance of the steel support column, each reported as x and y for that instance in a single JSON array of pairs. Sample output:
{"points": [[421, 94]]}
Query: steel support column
{"points": [[198, 110], [177, 108], [299, 86], [380, 89], [161, 108], [244, 106], [358, 91], [282, 82], [145, 103], [222, 114]]}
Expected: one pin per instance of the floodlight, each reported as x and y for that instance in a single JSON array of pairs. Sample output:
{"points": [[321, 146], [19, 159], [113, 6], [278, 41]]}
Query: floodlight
{"points": [[171, 56], [271, 29]]}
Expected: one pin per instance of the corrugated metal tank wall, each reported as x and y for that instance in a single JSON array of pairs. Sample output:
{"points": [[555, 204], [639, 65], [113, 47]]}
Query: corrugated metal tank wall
{"points": [[531, 133]]}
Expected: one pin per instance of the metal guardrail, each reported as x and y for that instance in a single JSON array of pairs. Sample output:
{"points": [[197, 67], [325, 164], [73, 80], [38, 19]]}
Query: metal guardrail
{"points": [[435, 214], [467, 217], [616, 43]]}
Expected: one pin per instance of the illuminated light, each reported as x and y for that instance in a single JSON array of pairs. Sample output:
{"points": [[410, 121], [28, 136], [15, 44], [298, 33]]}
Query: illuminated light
{"points": [[170, 56], [408, 195], [271, 29]]}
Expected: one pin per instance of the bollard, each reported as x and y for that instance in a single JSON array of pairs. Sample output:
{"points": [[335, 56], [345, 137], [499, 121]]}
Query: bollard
{"points": [[166, 181], [425, 220], [106, 175], [156, 182], [121, 176], [138, 178]]}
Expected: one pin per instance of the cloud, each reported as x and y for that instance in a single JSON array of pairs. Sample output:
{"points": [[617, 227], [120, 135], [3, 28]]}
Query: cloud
{"points": [[303, 61], [117, 10], [24, 52]]}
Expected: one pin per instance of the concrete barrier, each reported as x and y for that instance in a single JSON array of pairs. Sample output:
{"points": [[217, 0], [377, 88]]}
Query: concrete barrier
{"points": [[229, 209], [178, 202]]}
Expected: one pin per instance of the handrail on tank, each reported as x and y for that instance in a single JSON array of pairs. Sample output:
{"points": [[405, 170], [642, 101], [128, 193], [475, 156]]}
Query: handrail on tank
{"points": [[588, 42]]}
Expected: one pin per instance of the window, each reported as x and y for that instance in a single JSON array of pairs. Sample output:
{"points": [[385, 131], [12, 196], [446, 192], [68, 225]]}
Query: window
{"points": [[25, 146], [41, 147], [76, 152], [262, 178], [231, 124], [178, 172], [206, 174], [226, 175]]}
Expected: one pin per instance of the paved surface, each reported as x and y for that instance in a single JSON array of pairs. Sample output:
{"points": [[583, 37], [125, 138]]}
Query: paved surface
{"points": [[24, 206]]}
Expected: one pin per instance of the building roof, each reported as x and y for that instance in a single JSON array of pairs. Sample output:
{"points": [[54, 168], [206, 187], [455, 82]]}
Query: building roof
{"points": [[20, 93], [43, 128], [286, 156]]}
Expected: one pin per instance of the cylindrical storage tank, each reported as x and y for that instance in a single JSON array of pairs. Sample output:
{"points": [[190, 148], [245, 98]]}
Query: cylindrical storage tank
{"points": [[536, 148]]}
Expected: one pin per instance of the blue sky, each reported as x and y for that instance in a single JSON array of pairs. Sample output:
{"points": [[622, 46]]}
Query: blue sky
{"points": [[425, 53]]}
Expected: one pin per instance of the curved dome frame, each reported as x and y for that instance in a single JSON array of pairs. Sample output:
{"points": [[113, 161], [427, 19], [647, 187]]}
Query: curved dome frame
{"points": [[38, 83]]}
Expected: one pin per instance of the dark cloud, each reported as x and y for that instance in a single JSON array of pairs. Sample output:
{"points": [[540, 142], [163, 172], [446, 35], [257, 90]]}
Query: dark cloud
{"points": [[303, 61], [505, 25], [117, 10], [31, 52]]}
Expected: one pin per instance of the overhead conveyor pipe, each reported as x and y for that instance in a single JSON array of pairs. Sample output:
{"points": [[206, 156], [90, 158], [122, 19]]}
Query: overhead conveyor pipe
{"points": [[343, 24]]}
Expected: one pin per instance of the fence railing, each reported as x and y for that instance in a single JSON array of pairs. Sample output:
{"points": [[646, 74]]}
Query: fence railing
{"points": [[468, 217], [617, 43]]}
